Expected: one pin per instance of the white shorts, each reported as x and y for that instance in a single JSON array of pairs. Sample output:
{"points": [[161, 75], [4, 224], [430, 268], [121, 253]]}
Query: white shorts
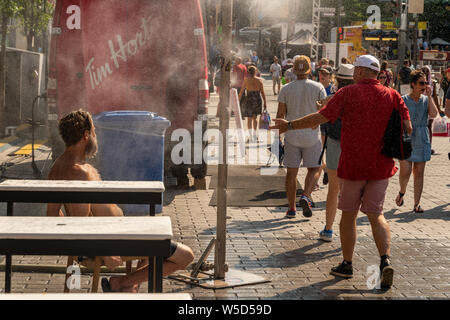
{"points": [[294, 155]]}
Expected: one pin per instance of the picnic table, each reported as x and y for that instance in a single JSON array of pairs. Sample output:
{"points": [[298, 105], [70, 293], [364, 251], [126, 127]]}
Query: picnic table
{"points": [[85, 235]]}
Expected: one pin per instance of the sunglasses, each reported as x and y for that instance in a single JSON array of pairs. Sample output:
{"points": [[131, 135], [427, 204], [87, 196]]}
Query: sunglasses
{"points": [[382, 77], [423, 83]]}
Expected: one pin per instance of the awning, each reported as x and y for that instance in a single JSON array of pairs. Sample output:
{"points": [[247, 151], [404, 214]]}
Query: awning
{"points": [[439, 41]]}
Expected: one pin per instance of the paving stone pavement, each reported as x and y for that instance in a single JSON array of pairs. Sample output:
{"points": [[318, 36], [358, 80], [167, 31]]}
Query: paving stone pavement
{"points": [[288, 251]]}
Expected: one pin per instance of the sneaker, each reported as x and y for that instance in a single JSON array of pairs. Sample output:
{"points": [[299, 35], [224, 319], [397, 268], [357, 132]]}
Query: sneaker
{"points": [[291, 213], [387, 273], [325, 179], [344, 270], [326, 235], [306, 205]]}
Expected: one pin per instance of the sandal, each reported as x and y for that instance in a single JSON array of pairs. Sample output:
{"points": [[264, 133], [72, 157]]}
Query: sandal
{"points": [[400, 196], [418, 208]]}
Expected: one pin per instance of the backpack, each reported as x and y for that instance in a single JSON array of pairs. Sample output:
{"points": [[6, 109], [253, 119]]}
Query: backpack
{"points": [[396, 141]]}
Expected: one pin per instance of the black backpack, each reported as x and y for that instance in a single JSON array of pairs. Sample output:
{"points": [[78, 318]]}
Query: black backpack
{"points": [[396, 142]]}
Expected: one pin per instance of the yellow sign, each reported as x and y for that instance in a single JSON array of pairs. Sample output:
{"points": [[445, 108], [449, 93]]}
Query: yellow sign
{"points": [[389, 25]]}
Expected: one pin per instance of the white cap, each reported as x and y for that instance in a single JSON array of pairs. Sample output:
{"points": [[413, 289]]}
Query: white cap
{"points": [[367, 61]]}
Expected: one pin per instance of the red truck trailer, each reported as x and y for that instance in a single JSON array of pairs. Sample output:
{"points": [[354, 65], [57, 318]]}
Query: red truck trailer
{"points": [[146, 55]]}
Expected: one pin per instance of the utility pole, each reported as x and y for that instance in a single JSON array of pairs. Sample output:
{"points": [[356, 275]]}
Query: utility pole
{"points": [[403, 7], [220, 248], [415, 36], [338, 25], [316, 28]]}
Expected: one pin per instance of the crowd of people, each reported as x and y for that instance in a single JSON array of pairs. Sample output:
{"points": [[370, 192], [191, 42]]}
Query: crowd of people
{"points": [[352, 107], [343, 111]]}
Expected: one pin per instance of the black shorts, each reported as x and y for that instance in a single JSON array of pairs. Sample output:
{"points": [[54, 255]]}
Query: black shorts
{"points": [[173, 248]]}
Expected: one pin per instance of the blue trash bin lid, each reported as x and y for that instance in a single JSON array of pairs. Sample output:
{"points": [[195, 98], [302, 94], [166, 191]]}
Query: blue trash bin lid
{"points": [[133, 121]]}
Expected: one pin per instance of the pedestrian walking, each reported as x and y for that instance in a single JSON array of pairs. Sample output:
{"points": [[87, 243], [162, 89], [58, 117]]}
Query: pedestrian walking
{"points": [[289, 74], [404, 77], [252, 106], [326, 78], [297, 99], [432, 86], [421, 107], [365, 109], [389, 76], [344, 77], [239, 75], [382, 77], [275, 70]]}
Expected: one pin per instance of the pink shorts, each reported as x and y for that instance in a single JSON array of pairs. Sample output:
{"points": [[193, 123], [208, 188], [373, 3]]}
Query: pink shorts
{"points": [[365, 195]]}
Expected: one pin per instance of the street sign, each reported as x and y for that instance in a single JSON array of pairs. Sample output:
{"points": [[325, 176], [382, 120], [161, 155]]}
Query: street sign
{"points": [[434, 55], [333, 10], [332, 14]]}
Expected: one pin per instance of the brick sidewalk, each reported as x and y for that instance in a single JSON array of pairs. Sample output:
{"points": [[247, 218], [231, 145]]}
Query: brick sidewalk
{"points": [[261, 241]]}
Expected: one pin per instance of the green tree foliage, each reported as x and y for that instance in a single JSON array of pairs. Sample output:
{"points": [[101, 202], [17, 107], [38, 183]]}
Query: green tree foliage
{"points": [[34, 16], [8, 9], [438, 18]]}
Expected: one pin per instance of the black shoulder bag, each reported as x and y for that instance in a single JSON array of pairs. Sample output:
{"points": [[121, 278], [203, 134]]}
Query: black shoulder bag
{"points": [[396, 141]]}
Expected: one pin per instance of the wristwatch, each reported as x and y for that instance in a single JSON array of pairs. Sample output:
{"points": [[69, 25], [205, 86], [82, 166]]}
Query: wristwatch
{"points": [[290, 127]]}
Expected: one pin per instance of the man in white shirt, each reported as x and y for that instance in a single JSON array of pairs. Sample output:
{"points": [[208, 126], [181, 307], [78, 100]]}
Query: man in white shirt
{"points": [[289, 74], [298, 99], [275, 70]]}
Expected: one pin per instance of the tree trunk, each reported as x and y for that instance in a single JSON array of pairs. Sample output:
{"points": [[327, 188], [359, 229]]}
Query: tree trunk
{"points": [[4, 32]]}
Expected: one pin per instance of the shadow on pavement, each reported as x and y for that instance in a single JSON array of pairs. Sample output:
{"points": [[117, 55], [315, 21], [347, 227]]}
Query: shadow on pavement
{"points": [[297, 257], [320, 290], [242, 226]]}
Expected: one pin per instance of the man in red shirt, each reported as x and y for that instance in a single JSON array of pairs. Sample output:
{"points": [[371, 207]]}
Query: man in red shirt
{"points": [[365, 109], [239, 74]]}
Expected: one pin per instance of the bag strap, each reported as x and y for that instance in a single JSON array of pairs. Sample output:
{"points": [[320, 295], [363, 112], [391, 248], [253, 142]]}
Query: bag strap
{"points": [[323, 148]]}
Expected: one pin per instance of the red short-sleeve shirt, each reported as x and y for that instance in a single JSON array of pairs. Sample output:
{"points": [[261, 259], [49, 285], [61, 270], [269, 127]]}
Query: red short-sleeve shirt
{"points": [[365, 109]]}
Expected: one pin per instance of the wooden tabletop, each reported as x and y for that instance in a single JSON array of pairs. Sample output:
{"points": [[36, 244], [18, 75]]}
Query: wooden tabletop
{"points": [[82, 186], [86, 228]]}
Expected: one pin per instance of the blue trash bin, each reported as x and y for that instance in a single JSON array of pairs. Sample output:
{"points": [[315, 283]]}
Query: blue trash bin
{"points": [[131, 147]]}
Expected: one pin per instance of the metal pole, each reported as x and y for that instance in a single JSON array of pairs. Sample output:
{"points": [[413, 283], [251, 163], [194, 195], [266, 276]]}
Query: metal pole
{"points": [[402, 36], [415, 37], [220, 248], [338, 25]]}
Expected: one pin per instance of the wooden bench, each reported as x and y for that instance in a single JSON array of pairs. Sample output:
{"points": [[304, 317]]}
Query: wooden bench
{"points": [[72, 191], [89, 236]]}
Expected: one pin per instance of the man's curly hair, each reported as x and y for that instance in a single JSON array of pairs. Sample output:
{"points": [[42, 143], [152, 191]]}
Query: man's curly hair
{"points": [[73, 125]]}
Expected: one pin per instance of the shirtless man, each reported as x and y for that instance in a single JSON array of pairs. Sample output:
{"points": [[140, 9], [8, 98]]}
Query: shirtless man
{"points": [[78, 132]]}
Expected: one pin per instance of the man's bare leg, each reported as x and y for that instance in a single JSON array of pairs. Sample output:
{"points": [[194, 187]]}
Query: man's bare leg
{"points": [[381, 233], [332, 199], [180, 259], [310, 180], [347, 229], [291, 186]]}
